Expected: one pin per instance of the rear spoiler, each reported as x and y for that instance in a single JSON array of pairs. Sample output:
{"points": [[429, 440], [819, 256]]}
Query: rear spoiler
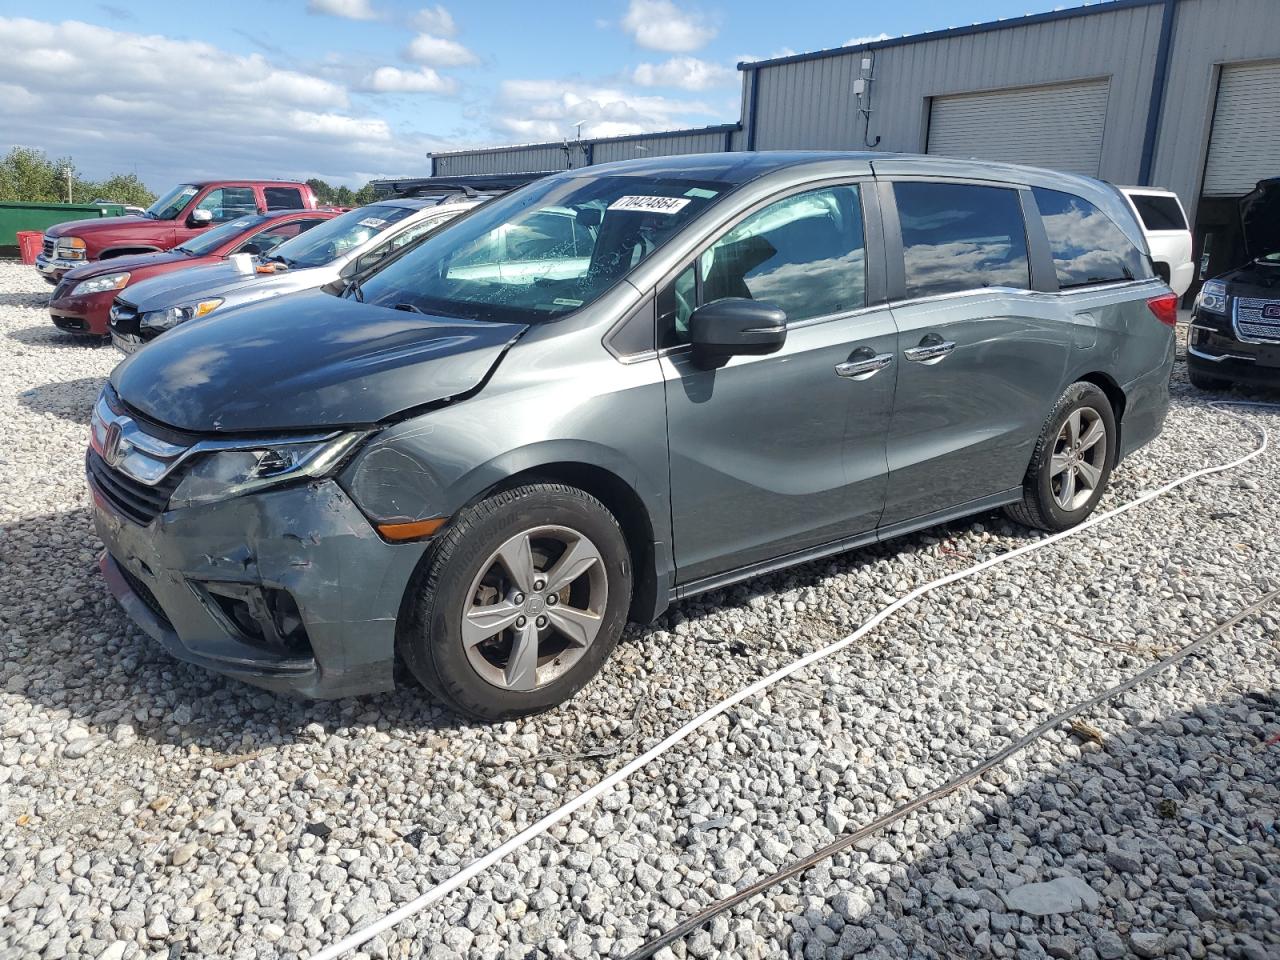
{"points": [[469, 186]]}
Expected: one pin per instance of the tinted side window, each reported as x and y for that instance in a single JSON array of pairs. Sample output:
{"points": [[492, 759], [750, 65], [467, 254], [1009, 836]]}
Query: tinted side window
{"points": [[1086, 244], [1158, 212], [956, 236], [282, 198]]}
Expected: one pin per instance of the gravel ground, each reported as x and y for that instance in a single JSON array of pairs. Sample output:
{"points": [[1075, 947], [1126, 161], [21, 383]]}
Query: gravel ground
{"points": [[149, 809]]}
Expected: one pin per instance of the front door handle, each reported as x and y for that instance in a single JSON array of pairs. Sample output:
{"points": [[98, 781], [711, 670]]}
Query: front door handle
{"points": [[931, 349], [863, 364]]}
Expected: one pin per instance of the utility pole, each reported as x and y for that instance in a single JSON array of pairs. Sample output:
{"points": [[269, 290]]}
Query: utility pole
{"points": [[67, 173]]}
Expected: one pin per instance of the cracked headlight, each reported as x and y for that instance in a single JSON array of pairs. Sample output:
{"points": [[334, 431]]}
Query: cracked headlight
{"points": [[222, 474], [108, 281]]}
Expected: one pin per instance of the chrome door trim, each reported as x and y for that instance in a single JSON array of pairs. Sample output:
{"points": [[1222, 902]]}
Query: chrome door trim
{"points": [[864, 369], [929, 352]]}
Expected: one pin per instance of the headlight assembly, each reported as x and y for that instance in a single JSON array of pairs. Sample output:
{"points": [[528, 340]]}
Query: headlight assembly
{"points": [[108, 281], [71, 248], [161, 320], [1213, 297], [221, 474]]}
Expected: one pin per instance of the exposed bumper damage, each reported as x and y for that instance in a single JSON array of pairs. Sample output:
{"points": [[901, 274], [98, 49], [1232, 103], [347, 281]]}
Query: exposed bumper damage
{"points": [[290, 589]]}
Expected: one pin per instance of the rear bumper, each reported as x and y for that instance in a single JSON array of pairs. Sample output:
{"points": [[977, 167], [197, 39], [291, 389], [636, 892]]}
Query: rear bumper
{"points": [[309, 543], [86, 314]]}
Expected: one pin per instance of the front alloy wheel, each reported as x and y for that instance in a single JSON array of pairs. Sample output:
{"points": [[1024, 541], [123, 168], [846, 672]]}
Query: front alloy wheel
{"points": [[519, 603], [535, 608]]}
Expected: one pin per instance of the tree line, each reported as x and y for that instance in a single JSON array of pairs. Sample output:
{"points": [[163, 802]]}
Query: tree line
{"points": [[30, 176]]}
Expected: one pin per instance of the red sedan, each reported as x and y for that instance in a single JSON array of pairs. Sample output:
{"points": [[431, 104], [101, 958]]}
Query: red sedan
{"points": [[81, 302]]}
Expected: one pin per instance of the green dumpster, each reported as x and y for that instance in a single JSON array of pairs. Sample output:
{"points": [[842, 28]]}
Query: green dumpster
{"points": [[40, 216]]}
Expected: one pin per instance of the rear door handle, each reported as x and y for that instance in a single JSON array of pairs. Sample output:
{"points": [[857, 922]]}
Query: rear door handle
{"points": [[866, 365], [932, 349]]}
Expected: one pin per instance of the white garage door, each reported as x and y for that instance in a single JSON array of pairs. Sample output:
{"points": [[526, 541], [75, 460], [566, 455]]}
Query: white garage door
{"points": [[1245, 145], [1058, 126]]}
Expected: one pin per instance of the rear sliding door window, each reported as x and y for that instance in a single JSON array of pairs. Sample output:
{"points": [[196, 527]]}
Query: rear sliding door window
{"points": [[1086, 244], [958, 236], [282, 198]]}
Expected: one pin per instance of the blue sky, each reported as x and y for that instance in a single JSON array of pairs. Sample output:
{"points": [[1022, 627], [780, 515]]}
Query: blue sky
{"points": [[350, 89]]}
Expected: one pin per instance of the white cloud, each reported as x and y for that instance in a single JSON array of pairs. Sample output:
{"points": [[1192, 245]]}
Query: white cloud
{"points": [[661, 25], [395, 80], [109, 98], [548, 110], [857, 41], [347, 9], [436, 21], [687, 73], [439, 52]]}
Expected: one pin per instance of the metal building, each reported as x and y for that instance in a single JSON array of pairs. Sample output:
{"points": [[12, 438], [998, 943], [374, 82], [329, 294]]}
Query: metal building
{"points": [[1182, 94]]}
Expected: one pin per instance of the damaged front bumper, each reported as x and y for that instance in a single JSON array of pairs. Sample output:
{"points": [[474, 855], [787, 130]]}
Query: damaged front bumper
{"points": [[288, 589]]}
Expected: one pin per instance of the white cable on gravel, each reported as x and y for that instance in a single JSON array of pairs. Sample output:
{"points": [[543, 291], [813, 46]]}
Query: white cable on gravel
{"points": [[539, 827]]}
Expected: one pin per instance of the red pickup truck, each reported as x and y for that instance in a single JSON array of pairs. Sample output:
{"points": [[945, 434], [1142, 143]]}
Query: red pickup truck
{"points": [[179, 215]]}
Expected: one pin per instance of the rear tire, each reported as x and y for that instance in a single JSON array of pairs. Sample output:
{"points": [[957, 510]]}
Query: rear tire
{"points": [[1204, 381], [495, 626], [1071, 463]]}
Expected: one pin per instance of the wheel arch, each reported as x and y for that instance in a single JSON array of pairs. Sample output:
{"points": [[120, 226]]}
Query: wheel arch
{"points": [[112, 252], [1115, 394]]}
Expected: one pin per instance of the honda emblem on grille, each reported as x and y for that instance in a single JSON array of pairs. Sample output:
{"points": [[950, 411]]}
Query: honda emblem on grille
{"points": [[112, 444], [1271, 311]]}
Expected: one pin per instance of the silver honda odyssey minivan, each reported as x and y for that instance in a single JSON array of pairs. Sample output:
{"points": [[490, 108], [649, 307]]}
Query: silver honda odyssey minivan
{"points": [[614, 388]]}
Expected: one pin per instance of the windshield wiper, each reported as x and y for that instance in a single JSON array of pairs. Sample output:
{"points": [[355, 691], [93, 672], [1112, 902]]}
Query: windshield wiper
{"points": [[353, 288], [409, 307]]}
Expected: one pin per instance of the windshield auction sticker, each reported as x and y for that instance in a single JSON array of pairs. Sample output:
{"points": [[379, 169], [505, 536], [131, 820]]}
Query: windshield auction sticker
{"points": [[373, 222], [650, 204]]}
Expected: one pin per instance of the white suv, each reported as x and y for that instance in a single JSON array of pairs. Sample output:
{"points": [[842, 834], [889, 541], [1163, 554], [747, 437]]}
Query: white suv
{"points": [[1165, 224]]}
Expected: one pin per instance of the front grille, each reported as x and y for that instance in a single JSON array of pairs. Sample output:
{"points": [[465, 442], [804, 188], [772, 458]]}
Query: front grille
{"points": [[49, 246], [143, 593], [136, 501], [1258, 319]]}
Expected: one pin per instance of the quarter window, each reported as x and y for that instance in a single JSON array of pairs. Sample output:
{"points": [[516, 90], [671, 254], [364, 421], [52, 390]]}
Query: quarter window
{"points": [[959, 236], [1086, 244], [1159, 211]]}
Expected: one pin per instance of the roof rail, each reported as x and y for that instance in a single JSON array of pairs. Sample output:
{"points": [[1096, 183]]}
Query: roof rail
{"points": [[468, 185]]}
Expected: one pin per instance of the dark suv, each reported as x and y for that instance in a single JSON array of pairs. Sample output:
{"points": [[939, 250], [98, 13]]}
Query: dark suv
{"points": [[1235, 326], [483, 463]]}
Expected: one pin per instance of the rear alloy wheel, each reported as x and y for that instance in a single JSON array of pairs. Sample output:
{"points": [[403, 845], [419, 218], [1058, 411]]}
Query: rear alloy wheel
{"points": [[1072, 461], [520, 603]]}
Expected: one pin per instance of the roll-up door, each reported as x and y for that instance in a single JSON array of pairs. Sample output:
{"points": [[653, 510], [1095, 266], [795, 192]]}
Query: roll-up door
{"points": [[1058, 126], [1245, 144]]}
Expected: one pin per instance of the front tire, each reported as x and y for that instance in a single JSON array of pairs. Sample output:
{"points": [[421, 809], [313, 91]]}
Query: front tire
{"points": [[1071, 463], [519, 604], [1203, 381]]}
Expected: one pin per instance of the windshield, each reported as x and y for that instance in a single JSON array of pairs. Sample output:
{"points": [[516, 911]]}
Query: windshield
{"points": [[327, 241], [172, 203], [210, 240], [543, 250]]}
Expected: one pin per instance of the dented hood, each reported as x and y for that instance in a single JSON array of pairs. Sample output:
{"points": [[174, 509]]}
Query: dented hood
{"points": [[307, 361]]}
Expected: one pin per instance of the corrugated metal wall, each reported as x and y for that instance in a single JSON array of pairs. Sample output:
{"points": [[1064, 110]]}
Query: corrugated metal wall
{"points": [[1209, 33], [526, 159], [810, 104], [710, 141]]}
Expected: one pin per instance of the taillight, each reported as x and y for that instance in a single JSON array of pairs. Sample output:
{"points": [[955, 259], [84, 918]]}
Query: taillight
{"points": [[1165, 307]]}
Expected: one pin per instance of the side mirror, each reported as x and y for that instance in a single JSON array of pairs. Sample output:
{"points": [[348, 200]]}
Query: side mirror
{"points": [[734, 325], [200, 218]]}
